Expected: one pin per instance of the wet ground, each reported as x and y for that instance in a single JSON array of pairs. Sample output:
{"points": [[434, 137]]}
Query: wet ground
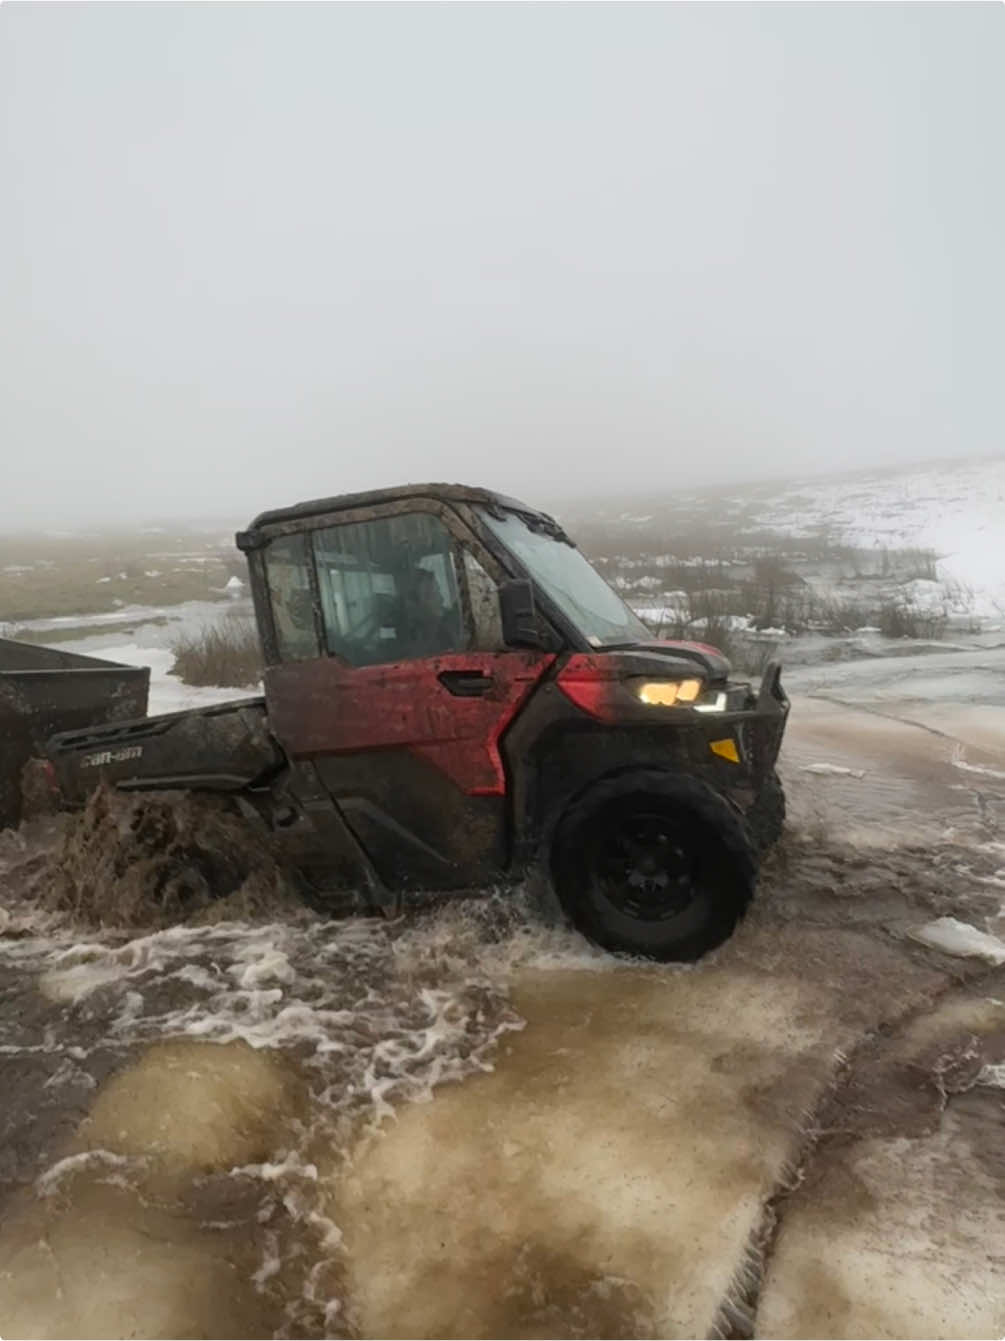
{"points": [[472, 1124]]}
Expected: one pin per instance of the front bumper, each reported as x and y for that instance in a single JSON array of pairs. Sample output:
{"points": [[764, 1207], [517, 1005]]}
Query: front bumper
{"points": [[738, 747]]}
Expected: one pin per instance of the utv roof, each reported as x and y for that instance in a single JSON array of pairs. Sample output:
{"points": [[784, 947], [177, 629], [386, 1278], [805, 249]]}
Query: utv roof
{"points": [[452, 493]]}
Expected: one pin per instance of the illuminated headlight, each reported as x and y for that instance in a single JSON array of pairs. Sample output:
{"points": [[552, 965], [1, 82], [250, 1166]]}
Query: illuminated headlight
{"points": [[665, 693], [681, 693]]}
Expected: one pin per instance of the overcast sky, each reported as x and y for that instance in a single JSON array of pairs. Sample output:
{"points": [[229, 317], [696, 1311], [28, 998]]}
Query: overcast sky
{"points": [[251, 254]]}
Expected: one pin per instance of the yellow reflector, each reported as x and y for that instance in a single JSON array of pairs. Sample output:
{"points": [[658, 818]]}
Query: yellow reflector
{"points": [[725, 749]]}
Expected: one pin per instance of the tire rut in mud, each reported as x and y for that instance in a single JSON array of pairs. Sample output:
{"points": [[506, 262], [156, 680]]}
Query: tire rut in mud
{"points": [[873, 1092]]}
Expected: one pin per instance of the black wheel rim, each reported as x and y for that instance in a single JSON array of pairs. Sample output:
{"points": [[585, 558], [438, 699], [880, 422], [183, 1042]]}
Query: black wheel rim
{"points": [[646, 864]]}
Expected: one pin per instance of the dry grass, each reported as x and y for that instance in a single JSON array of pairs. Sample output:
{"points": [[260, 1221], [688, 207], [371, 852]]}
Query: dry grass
{"points": [[226, 653], [67, 633], [43, 575]]}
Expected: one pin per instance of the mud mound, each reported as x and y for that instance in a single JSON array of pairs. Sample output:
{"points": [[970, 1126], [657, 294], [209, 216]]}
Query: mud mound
{"points": [[26, 875], [162, 857]]}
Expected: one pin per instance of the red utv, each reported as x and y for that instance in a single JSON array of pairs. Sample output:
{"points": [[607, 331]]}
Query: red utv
{"points": [[455, 698]]}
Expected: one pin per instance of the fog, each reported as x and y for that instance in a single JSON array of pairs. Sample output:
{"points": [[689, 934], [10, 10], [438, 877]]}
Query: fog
{"points": [[251, 254]]}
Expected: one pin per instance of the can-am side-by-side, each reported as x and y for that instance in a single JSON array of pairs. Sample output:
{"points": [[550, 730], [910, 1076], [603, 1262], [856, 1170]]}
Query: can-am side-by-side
{"points": [[455, 698]]}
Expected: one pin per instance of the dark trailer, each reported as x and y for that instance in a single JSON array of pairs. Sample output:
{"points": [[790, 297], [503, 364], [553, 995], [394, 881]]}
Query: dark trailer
{"points": [[44, 690]]}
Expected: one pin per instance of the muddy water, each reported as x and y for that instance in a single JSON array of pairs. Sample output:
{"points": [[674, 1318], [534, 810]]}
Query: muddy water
{"points": [[206, 1070], [899, 1226], [605, 1179], [473, 1124]]}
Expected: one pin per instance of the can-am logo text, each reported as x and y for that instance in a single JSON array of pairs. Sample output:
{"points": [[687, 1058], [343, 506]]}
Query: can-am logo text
{"points": [[111, 756]]}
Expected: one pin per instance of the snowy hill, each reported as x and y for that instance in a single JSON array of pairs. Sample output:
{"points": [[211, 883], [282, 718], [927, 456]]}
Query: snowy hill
{"points": [[930, 536], [955, 508], [854, 563]]}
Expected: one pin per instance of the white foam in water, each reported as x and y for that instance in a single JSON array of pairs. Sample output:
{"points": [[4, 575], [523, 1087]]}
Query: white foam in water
{"points": [[983, 769], [263, 968], [833, 770], [960, 938], [48, 1183], [374, 1013], [69, 1073], [390, 1010], [292, 1164], [997, 880]]}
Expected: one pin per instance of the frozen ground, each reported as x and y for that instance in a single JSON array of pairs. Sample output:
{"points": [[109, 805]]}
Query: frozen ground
{"points": [[843, 552], [167, 692], [471, 1124], [955, 508]]}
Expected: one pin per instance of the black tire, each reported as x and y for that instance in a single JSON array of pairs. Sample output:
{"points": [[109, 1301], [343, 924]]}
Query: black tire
{"points": [[766, 817], [654, 865]]}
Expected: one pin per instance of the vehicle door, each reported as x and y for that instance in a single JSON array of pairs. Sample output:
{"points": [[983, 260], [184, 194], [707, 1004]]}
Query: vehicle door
{"points": [[391, 676]]}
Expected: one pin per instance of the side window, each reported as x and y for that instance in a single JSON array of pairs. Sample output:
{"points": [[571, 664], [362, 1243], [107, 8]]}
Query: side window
{"points": [[287, 574], [485, 614], [389, 589]]}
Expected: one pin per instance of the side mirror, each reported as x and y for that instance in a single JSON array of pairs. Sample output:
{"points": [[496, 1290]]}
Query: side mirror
{"points": [[520, 624]]}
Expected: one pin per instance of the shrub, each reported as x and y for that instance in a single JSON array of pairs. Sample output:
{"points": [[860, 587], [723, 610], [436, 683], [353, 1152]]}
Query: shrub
{"points": [[914, 563], [897, 620], [226, 653]]}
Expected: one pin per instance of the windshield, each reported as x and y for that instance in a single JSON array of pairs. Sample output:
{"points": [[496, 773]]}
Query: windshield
{"points": [[579, 591]]}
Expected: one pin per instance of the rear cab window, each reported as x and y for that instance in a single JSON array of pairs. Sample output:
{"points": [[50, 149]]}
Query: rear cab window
{"points": [[287, 573]]}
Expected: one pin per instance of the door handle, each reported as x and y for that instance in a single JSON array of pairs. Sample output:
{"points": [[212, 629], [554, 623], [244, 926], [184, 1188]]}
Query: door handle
{"points": [[466, 683]]}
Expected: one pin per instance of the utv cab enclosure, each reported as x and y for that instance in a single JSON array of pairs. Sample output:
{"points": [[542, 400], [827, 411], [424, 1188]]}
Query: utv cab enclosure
{"points": [[455, 698]]}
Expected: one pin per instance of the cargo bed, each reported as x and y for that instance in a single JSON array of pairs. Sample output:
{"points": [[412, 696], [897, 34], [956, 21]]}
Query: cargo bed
{"points": [[44, 690]]}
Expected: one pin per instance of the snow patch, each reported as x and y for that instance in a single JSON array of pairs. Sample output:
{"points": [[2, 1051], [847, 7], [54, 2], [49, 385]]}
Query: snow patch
{"points": [[954, 937], [993, 1074], [956, 510], [48, 1183], [167, 692], [984, 769]]}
